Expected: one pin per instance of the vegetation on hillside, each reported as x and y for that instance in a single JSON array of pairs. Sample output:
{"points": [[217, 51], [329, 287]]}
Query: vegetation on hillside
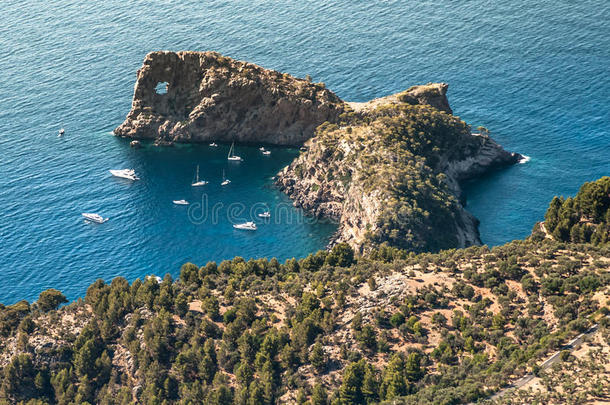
{"points": [[394, 154], [330, 328], [583, 218]]}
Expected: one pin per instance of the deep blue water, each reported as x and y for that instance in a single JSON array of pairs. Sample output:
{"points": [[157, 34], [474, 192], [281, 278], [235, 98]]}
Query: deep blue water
{"points": [[534, 72]]}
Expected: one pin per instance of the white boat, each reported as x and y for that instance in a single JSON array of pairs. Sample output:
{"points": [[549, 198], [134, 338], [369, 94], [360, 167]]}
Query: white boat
{"points": [[198, 182], [225, 181], [266, 152], [156, 278], [61, 132], [213, 144], [231, 156], [262, 148], [265, 214], [128, 174], [246, 226], [98, 219], [180, 202]]}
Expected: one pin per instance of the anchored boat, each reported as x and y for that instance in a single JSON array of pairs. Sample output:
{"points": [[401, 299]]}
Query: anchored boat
{"points": [[98, 219]]}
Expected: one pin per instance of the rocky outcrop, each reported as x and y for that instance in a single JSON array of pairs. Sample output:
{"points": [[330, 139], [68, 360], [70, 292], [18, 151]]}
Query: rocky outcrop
{"points": [[392, 174], [204, 96]]}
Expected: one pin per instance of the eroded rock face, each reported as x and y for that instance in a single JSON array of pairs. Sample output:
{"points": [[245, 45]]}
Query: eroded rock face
{"points": [[209, 97]]}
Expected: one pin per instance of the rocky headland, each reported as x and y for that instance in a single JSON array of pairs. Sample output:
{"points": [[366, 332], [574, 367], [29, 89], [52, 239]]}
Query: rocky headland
{"points": [[388, 170], [205, 96]]}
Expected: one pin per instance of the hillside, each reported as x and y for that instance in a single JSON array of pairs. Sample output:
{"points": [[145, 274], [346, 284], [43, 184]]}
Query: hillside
{"points": [[583, 218], [440, 328], [390, 172]]}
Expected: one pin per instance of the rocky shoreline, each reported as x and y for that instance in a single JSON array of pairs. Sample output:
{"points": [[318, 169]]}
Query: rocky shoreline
{"points": [[357, 209]]}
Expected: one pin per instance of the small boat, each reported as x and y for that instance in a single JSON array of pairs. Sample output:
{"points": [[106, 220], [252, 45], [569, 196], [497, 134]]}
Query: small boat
{"points": [[180, 202], [262, 148], [265, 214], [198, 182], [266, 152], [246, 226], [231, 156], [128, 174], [225, 181], [98, 219], [213, 144], [61, 132], [156, 278]]}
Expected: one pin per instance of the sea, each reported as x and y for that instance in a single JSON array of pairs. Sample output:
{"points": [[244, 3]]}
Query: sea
{"points": [[535, 73]]}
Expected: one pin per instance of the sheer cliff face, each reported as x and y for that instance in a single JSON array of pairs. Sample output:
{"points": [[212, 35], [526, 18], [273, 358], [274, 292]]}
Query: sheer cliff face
{"points": [[208, 97]]}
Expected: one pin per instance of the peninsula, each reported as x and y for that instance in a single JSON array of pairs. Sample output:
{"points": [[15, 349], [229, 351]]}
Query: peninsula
{"points": [[387, 170]]}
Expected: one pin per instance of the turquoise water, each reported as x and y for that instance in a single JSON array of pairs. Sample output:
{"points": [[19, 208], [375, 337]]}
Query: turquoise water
{"points": [[534, 72]]}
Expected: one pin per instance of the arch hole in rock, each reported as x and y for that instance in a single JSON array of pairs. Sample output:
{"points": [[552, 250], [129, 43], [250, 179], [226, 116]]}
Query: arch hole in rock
{"points": [[161, 87]]}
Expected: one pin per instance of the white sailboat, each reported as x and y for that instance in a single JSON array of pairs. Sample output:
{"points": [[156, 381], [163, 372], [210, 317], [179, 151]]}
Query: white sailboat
{"points": [[225, 181], [246, 226], [128, 174], [180, 202], [231, 156], [198, 182], [98, 219]]}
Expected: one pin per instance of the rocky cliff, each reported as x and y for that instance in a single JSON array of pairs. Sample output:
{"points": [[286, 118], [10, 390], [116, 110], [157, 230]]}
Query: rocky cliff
{"points": [[391, 172], [204, 96]]}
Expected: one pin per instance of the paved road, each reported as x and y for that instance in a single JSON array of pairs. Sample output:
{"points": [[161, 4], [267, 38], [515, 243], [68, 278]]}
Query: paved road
{"points": [[554, 358]]}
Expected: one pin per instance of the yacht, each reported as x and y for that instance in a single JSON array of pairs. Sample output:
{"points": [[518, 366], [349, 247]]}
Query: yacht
{"points": [[246, 226], [61, 132], [128, 174], [213, 144], [181, 202], [98, 219], [266, 152], [198, 182], [233, 157], [225, 181], [265, 214]]}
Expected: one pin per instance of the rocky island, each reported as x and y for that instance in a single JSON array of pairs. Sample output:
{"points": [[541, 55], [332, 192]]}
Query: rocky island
{"points": [[387, 170]]}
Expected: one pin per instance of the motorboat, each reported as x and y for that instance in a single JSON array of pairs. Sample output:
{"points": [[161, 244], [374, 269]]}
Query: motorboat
{"points": [[98, 219], [262, 148], [225, 181], [181, 202], [265, 214], [246, 226], [198, 182], [61, 132], [128, 174], [266, 152], [231, 156], [213, 144]]}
